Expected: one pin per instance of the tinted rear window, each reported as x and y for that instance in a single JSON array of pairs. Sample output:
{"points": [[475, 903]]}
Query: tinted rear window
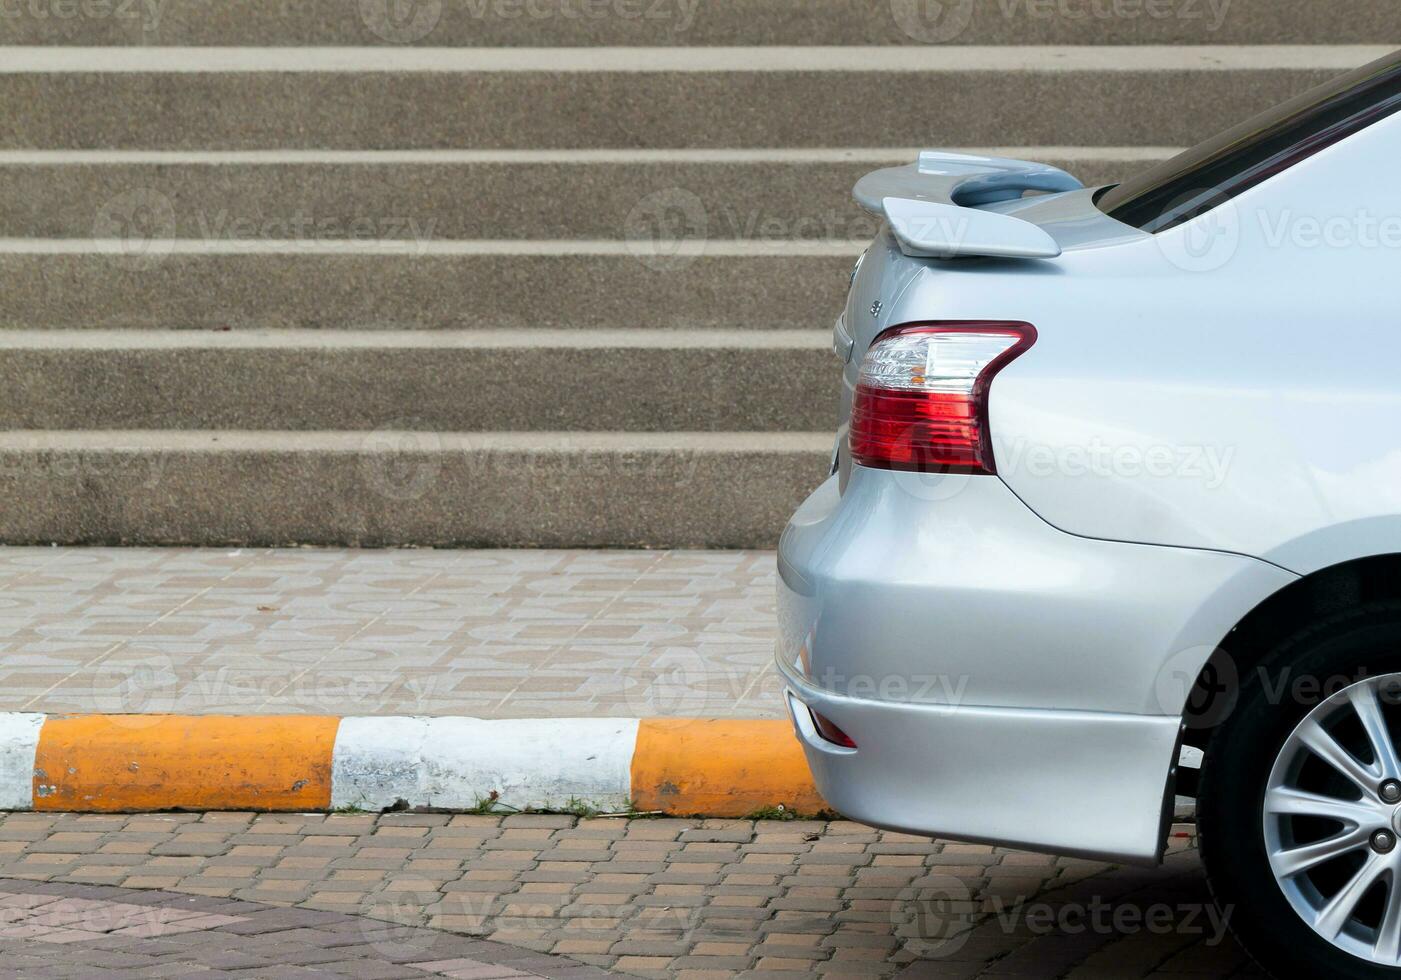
{"points": [[1216, 171]]}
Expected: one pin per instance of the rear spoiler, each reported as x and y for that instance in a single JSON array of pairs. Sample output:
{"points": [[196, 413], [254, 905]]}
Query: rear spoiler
{"points": [[932, 205]]}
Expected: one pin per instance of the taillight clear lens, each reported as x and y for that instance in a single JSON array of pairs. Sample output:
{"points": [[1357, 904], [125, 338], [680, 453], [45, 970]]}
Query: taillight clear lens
{"points": [[921, 398]]}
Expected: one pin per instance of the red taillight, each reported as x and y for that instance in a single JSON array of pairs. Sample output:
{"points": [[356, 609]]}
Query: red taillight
{"points": [[831, 732], [921, 400]]}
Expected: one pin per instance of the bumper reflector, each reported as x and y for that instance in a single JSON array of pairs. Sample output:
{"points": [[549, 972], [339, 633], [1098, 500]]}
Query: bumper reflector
{"points": [[831, 732]]}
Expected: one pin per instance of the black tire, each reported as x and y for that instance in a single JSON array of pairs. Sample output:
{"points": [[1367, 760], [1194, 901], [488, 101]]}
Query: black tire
{"points": [[1364, 642]]}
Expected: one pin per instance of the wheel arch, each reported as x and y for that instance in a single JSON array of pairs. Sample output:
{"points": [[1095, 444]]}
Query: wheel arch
{"points": [[1312, 597]]}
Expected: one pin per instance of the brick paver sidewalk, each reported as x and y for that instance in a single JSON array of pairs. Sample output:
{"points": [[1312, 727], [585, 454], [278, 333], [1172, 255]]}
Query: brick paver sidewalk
{"points": [[492, 634], [70, 930], [662, 898]]}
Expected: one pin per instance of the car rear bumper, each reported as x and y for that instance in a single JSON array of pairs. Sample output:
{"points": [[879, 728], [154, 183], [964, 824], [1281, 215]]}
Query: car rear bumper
{"points": [[1003, 681], [1073, 782]]}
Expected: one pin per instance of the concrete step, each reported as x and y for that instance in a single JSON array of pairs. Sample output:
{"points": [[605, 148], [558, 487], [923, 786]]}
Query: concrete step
{"points": [[538, 98], [672, 490], [437, 285], [489, 23], [623, 380], [446, 194]]}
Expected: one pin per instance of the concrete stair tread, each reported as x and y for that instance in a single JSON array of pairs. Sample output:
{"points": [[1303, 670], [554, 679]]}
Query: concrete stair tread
{"points": [[640, 338], [498, 286], [388, 488], [706, 22], [654, 380], [578, 157], [636, 60], [393, 441], [717, 247]]}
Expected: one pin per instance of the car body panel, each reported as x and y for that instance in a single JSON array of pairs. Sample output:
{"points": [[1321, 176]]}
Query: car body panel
{"points": [[949, 590], [1226, 384]]}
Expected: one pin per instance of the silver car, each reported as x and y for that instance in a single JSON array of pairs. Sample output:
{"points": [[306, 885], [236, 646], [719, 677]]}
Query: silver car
{"points": [[1115, 518]]}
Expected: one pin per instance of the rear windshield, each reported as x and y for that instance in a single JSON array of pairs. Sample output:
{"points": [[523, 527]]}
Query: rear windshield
{"points": [[1207, 176]]}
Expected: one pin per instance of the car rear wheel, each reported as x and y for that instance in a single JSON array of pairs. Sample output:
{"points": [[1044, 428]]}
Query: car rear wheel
{"points": [[1300, 801]]}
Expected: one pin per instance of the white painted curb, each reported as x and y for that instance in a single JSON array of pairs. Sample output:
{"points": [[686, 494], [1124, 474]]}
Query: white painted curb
{"points": [[458, 763], [19, 741]]}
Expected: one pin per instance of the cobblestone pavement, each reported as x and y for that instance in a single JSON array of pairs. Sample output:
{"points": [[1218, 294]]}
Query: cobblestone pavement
{"points": [[656, 898], [493, 634]]}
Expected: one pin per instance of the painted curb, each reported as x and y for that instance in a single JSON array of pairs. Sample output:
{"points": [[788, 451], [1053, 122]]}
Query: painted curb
{"points": [[308, 763]]}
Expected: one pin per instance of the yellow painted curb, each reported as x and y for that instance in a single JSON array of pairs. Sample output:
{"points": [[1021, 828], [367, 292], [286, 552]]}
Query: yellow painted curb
{"points": [[107, 763], [720, 768]]}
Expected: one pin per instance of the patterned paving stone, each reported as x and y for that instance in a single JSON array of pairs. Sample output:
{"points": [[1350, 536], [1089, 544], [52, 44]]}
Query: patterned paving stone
{"points": [[492, 634], [57, 929], [654, 898]]}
